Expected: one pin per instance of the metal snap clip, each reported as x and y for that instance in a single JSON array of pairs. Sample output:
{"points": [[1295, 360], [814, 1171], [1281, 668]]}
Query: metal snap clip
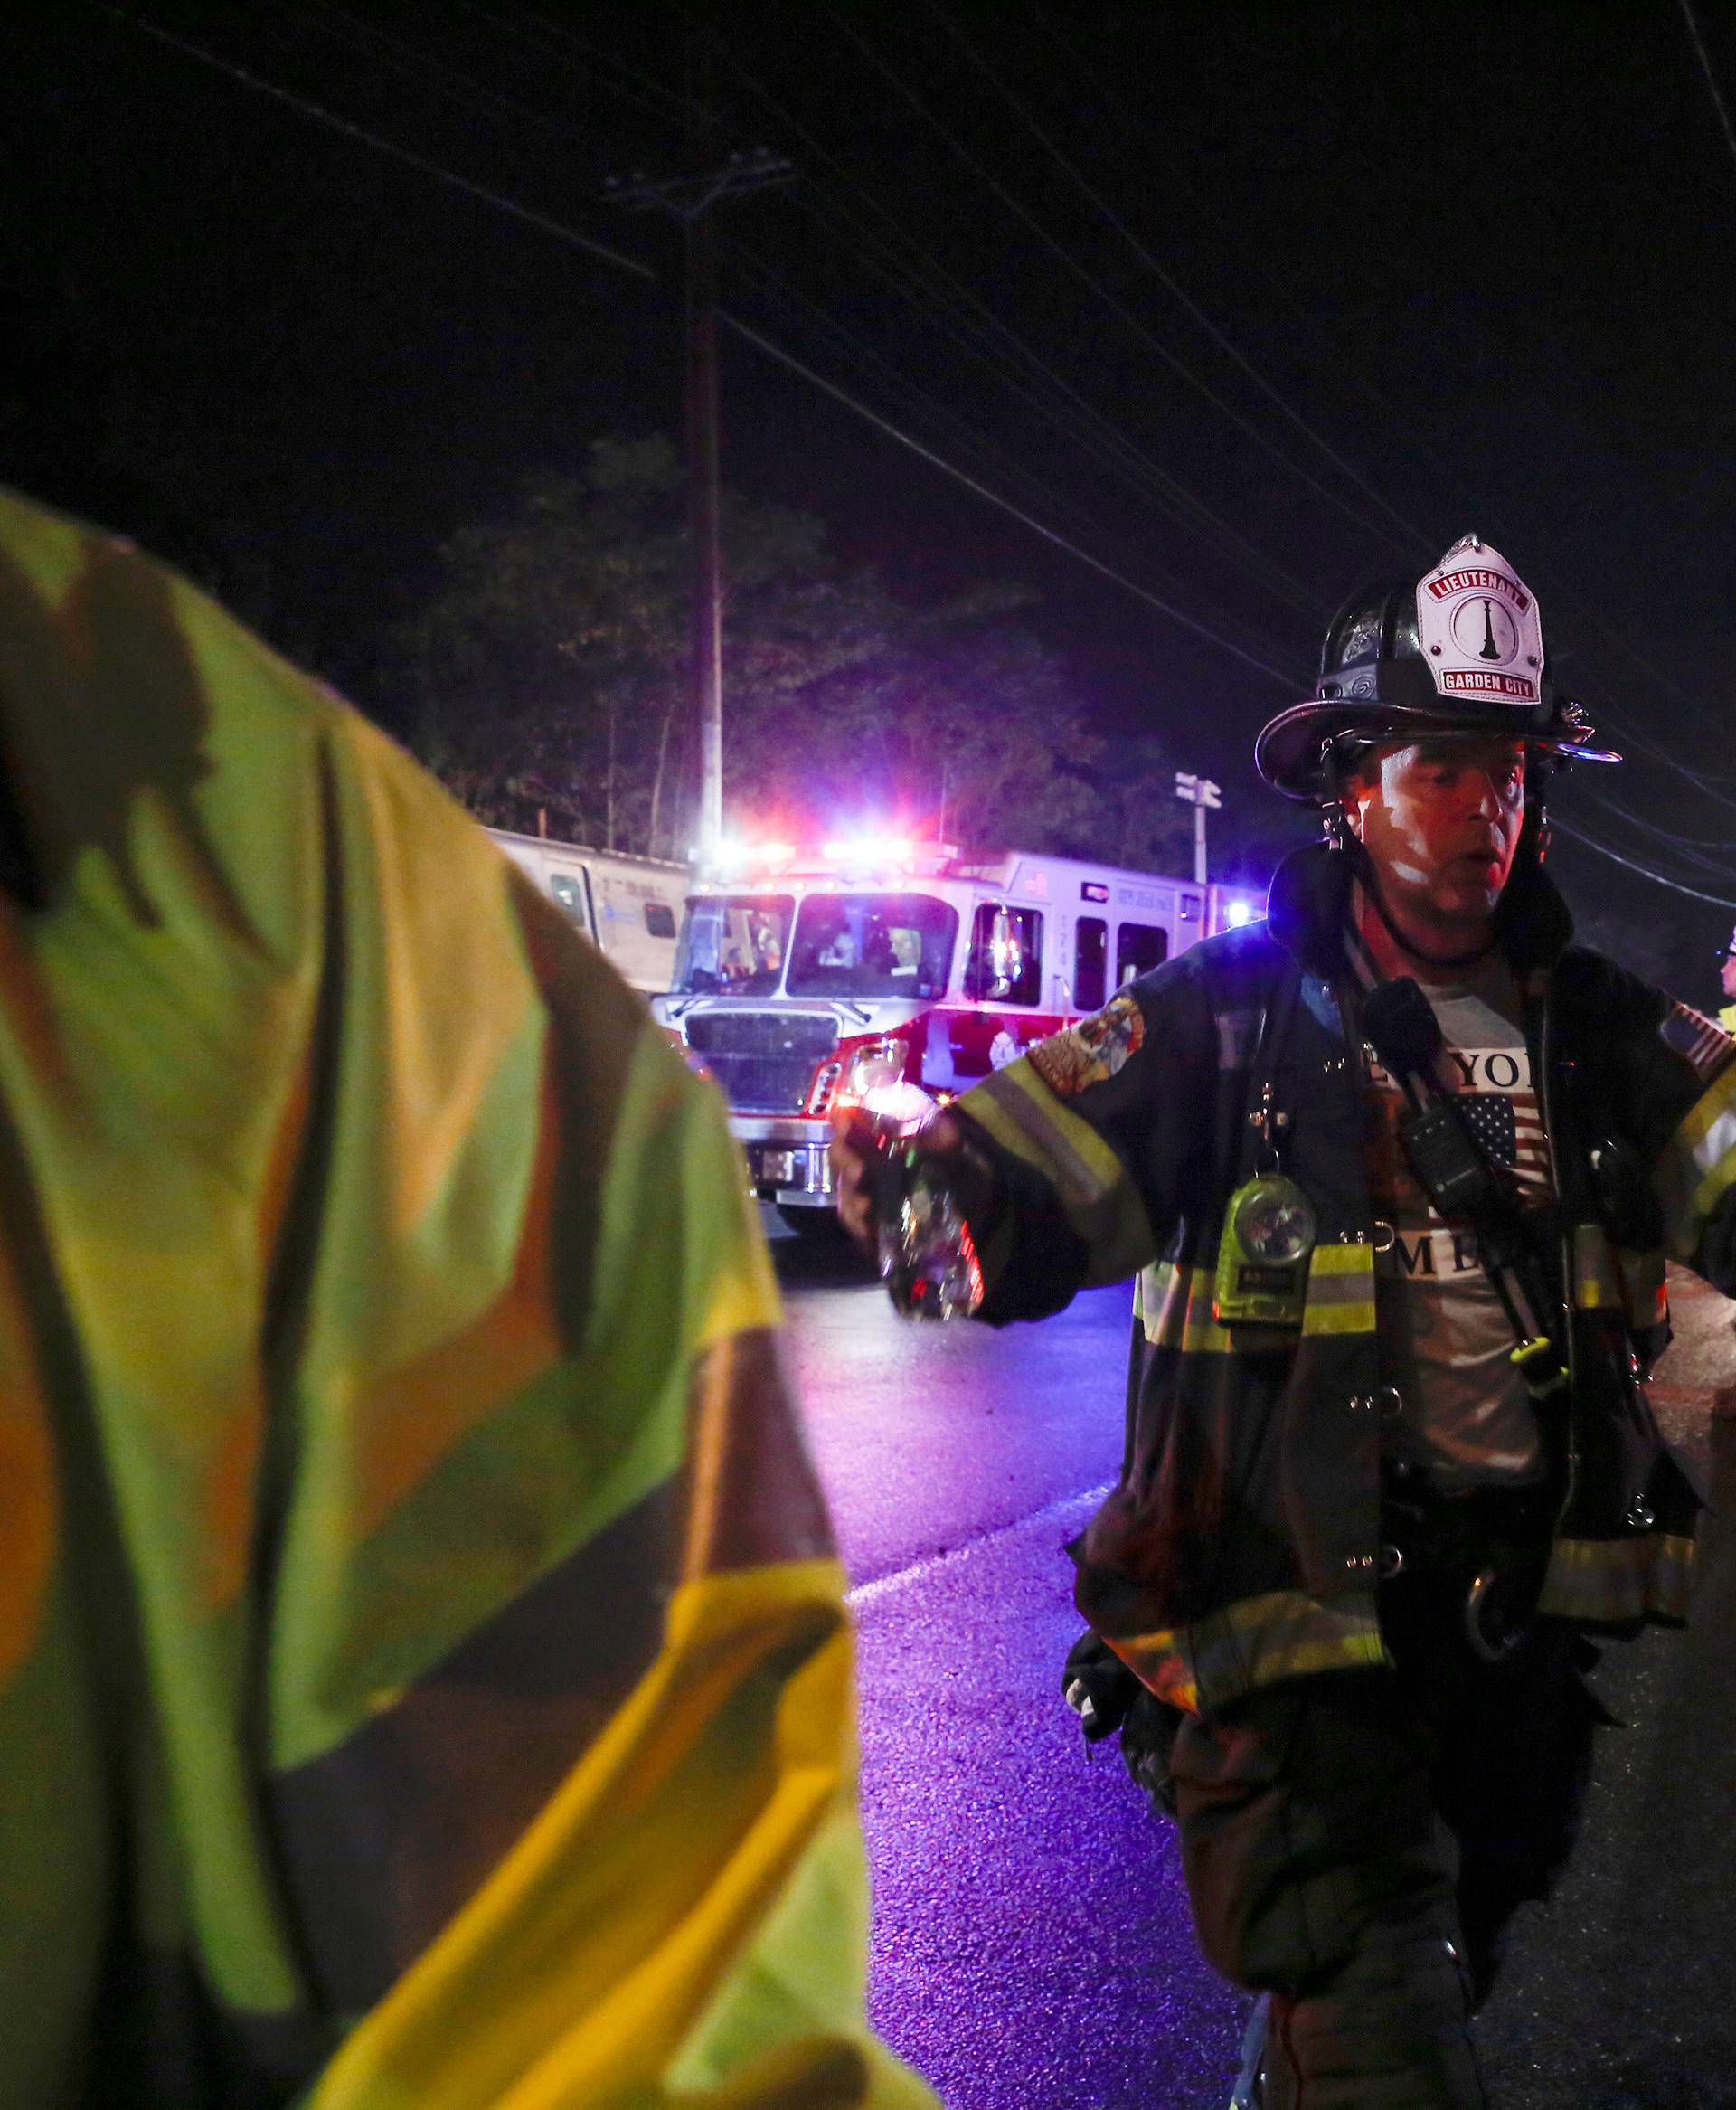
{"points": [[1641, 1517], [1390, 1402], [1391, 1563], [1386, 1243]]}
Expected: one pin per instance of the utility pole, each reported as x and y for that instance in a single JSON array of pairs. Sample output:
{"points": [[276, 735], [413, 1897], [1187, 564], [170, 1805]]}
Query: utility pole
{"points": [[1199, 792], [689, 198]]}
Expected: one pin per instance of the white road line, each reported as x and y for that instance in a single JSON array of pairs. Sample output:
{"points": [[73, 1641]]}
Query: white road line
{"points": [[878, 1586]]}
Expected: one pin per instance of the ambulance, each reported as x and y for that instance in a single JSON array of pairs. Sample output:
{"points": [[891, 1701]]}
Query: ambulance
{"points": [[802, 981], [628, 906]]}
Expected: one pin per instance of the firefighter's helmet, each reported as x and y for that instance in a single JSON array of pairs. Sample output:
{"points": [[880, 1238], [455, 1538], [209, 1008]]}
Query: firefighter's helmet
{"points": [[1459, 651]]}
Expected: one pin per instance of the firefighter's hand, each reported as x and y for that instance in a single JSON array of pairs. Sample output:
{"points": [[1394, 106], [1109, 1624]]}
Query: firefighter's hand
{"points": [[854, 1148]]}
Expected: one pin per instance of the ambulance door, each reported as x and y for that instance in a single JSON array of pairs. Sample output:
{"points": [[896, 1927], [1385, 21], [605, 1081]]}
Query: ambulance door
{"points": [[637, 911], [568, 884]]}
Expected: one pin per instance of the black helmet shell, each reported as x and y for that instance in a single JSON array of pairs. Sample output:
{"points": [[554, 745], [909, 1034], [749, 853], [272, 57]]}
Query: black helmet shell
{"points": [[1459, 651]]}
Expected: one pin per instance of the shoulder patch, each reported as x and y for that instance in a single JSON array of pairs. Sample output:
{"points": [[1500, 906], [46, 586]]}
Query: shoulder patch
{"points": [[1700, 1041], [1091, 1052]]}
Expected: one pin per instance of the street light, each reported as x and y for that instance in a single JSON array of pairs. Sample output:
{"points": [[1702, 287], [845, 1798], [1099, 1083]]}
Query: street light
{"points": [[1199, 792]]}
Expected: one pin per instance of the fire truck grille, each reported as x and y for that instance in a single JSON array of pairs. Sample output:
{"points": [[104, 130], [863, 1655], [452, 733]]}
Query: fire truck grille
{"points": [[763, 1060]]}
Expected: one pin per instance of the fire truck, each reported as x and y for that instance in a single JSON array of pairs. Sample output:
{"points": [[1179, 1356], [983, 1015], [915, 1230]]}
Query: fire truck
{"points": [[803, 982], [629, 906]]}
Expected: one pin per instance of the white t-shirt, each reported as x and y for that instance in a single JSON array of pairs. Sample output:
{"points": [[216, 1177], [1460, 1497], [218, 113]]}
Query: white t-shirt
{"points": [[1445, 1339]]}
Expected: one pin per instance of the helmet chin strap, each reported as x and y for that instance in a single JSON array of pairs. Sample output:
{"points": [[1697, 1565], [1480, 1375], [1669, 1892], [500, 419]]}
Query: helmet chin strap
{"points": [[1372, 887]]}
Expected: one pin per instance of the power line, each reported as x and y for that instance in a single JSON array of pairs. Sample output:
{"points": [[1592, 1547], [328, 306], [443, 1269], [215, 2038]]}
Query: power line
{"points": [[572, 239], [1071, 169], [868, 360], [1101, 440], [741, 328], [953, 312], [360, 133], [765, 344], [1712, 88], [1116, 306], [1578, 835]]}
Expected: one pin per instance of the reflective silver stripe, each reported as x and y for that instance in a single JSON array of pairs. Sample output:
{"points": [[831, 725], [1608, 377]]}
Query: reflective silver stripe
{"points": [[1101, 1204], [1255, 1641], [1612, 1580], [1341, 1289], [1237, 1033]]}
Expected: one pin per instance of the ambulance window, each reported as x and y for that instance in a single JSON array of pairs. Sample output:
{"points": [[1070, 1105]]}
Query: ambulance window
{"points": [[568, 893], [659, 919], [1091, 959], [1139, 948], [1006, 956]]}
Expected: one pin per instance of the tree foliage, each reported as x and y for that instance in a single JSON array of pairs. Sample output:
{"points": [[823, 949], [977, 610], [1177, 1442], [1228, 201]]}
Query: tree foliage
{"points": [[548, 671]]}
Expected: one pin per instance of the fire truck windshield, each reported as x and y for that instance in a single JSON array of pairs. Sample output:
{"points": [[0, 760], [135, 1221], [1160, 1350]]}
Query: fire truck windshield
{"points": [[733, 943], [872, 945]]}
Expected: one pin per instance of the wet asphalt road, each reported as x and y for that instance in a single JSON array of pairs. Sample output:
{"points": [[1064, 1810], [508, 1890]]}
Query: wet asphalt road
{"points": [[1032, 1945]]}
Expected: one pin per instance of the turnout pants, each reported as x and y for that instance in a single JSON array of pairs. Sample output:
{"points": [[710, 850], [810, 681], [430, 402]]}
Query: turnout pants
{"points": [[1357, 1844]]}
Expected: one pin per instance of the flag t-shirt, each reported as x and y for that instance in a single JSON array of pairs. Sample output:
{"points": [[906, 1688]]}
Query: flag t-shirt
{"points": [[1445, 1340]]}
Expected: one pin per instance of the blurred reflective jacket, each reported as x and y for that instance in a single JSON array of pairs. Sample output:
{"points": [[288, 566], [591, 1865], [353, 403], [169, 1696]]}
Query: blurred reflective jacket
{"points": [[424, 1678], [1242, 1543]]}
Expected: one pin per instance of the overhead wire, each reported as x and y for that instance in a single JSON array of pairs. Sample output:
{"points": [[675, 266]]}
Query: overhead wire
{"points": [[1231, 351], [750, 336], [738, 325], [974, 323], [865, 358], [462, 90], [1705, 780], [1713, 88], [459, 88], [360, 134], [1072, 415], [1117, 305], [1581, 835], [570, 237], [1691, 854]]}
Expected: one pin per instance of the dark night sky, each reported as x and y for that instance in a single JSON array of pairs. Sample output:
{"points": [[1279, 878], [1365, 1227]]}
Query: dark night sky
{"points": [[1481, 252]]}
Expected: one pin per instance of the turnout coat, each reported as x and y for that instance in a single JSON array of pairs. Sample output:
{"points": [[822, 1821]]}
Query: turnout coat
{"points": [[1240, 1544], [425, 1679]]}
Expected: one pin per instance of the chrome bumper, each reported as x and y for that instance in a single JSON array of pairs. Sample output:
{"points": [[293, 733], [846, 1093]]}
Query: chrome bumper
{"points": [[787, 1159]]}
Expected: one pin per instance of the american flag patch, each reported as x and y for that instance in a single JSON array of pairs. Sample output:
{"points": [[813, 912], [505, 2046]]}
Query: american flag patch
{"points": [[1509, 1126], [1700, 1041]]}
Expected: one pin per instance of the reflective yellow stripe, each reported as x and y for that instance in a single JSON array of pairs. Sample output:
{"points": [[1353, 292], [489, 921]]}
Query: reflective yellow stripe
{"points": [[1024, 1117], [1174, 1304], [655, 1868], [1255, 1641], [1597, 1281], [1610, 1279], [1618, 1579], [1647, 1292], [1697, 1166], [1341, 1289]]}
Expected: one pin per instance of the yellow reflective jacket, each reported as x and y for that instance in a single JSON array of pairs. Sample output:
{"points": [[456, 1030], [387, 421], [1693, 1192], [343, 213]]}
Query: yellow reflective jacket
{"points": [[424, 1678]]}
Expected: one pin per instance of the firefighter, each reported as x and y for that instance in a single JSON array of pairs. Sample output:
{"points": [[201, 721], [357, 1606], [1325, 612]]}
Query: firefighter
{"points": [[1397, 1170], [424, 1676], [1727, 983]]}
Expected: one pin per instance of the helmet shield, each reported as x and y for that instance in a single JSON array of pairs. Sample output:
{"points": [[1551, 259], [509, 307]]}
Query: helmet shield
{"points": [[1459, 651]]}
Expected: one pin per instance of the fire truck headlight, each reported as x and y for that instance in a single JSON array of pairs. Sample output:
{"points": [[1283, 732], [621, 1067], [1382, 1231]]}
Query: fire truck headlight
{"points": [[1237, 914], [875, 1068]]}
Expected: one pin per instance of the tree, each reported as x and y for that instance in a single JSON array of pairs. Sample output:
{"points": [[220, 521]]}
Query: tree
{"points": [[547, 672]]}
